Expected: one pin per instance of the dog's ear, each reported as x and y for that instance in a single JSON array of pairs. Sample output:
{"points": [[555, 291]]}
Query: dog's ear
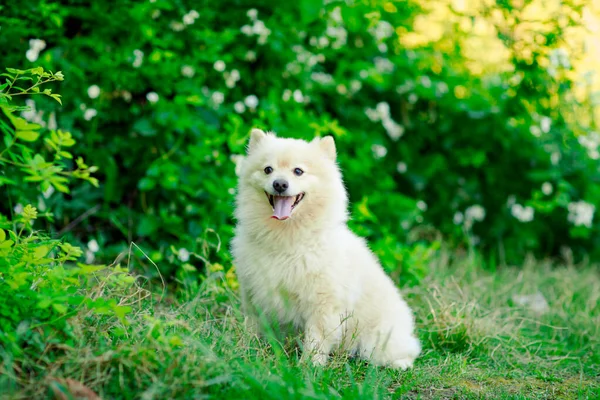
{"points": [[327, 145], [256, 136]]}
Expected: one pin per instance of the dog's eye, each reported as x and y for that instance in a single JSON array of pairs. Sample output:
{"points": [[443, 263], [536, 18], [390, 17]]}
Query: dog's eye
{"points": [[298, 171], [268, 170]]}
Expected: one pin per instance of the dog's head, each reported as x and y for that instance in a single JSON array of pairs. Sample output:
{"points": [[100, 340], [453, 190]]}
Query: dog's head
{"points": [[294, 179]]}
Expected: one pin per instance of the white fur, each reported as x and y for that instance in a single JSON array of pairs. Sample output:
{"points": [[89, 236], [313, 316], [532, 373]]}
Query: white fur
{"points": [[311, 270]]}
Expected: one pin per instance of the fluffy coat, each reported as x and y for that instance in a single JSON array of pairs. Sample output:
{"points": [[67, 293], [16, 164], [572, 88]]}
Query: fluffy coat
{"points": [[304, 266]]}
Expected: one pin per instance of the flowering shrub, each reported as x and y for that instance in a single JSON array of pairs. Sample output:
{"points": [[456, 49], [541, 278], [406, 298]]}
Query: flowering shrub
{"points": [[490, 147]]}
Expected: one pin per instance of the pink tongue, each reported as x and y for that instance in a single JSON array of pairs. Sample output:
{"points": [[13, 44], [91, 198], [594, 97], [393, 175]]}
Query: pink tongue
{"points": [[282, 206]]}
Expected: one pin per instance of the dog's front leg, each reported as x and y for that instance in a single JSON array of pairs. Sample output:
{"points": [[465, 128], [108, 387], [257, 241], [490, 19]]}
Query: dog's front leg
{"points": [[321, 334]]}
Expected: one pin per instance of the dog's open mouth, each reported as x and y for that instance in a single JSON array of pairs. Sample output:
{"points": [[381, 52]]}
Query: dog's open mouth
{"points": [[283, 205]]}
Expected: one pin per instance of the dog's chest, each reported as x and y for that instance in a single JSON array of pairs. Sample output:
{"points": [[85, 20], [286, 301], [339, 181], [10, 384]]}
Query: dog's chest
{"points": [[286, 283]]}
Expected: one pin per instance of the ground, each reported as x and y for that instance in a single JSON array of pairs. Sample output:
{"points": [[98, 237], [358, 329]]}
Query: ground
{"points": [[527, 332]]}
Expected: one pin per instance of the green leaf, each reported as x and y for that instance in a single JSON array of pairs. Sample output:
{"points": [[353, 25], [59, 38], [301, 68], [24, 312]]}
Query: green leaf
{"points": [[41, 252], [15, 71], [2, 235], [28, 136], [57, 98], [6, 244], [60, 308]]}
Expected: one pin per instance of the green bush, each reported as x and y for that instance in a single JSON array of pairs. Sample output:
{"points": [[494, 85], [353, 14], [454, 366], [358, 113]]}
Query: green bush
{"points": [[162, 96]]}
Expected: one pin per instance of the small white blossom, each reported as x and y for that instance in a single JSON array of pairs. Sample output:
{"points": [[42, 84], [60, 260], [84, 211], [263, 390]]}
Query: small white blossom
{"points": [[239, 107], [383, 65], [32, 55], [138, 58], [126, 95], [535, 130], [287, 95], [219, 65], [18, 208], [547, 188], [401, 167], [555, 158], [93, 91], [379, 151], [341, 89], [545, 124], [393, 129], [52, 125], [382, 47], [176, 26], [93, 246], [522, 213], [188, 19], [194, 14], [218, 98], [247, 30], [188, 71], [474, 213], [355, 86], [252, 14], [421, 205], [251, 101], [425, 81], [183, 255], [155, 14], [412, 98], [89, 114], [458, 218], [364, 74], [152, 97], [250, 56], [298, 96], [581, 213], [322, 78]]}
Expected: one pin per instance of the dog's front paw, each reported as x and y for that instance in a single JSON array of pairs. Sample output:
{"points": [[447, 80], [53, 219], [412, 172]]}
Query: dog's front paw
{"points": [[402, 363]]}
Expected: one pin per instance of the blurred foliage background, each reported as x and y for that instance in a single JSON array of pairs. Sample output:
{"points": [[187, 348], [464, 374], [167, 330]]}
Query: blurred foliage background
{"points": [[472, 123]]}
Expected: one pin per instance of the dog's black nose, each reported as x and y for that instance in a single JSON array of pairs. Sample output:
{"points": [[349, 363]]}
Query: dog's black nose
{"points": [[280, 185]]}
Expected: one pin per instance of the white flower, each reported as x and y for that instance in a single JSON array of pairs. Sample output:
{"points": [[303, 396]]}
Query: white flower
{"points": [[155, 14], [355, 85], [382, 47], [383, 109], [425, 81], [251, 101], [18, 208], [523, 214], [364, 74], [401, 167], [32, 55], [194, 14], [126, 95], [298, 96], [474, 213], [379, 151], [555, 158], [188, 19], [383, 65], [394, 130], [138, 58], [219, 65], [252, 14], [93, 91], [183, 255], [458, 218], [93, 246], [545, 124], [581, 213], [412, 98], [287, 95], [218, 98], [421, 205], [89, 114], [188, 71], [239, 107], [341, 89], [250, 56], [535, 130], [247, 30], [321, 78], [37, 44], [152, 97], [547, 188], [323, 42], [176, 26]]}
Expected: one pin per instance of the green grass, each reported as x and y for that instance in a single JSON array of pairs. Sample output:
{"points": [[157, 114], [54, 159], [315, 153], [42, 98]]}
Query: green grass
{"points": [[477, 344]]}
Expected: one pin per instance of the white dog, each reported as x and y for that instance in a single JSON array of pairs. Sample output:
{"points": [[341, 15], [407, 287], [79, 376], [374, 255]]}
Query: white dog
{"points": [[298, 262]]}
